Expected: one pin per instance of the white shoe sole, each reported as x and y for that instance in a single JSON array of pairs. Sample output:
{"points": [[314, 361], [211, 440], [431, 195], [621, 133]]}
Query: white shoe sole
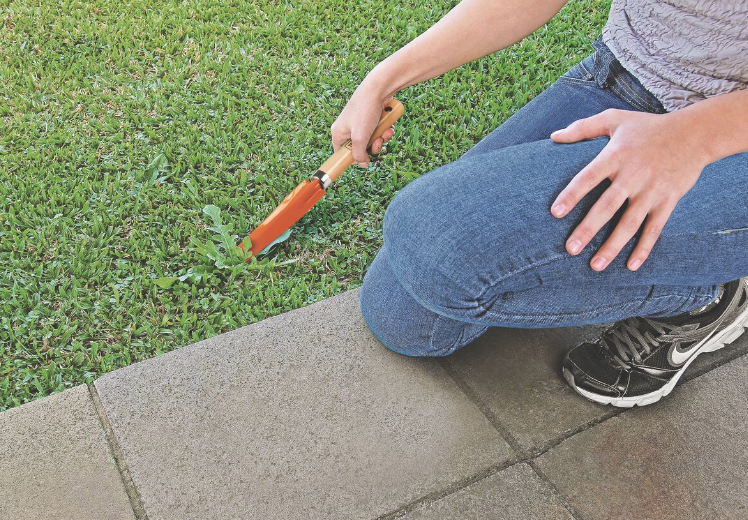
{"points": [[711, 344]]}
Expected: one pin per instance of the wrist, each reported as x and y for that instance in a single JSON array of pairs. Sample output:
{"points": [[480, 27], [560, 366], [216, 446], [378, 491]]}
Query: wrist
{"points": [[381, 80], [694, 137], [716, 125]]}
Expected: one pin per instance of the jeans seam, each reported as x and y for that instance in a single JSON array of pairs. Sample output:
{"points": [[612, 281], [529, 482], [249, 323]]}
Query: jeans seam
{"points": [[588, 71], [640, 98], [432, 334], [620, 82], [582, 313], [578, 82], [705, 233], [540, 263], [630, 96], [492, 284]]}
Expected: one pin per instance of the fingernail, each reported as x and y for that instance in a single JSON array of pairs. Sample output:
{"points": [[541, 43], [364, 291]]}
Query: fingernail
{"points": [[635, 264], [558, 210], [559, 131], [598, 263], [574, 246]]}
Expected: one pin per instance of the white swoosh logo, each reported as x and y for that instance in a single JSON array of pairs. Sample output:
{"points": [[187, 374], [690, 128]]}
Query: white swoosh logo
{"points": [[678, 357]]}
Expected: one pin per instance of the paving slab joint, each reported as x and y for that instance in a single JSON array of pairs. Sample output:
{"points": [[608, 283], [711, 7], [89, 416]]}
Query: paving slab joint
{"points": [[452, 488], [560, 496], [132, 492], [529, 457], [537, 451], [484, 408]]}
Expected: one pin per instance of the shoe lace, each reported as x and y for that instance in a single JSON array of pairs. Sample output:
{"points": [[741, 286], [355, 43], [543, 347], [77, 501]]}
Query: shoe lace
{"points": [[630, 342]]}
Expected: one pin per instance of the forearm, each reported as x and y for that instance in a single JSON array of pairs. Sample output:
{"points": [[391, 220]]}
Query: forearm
{"points": [[473, 29], [718, 126]]}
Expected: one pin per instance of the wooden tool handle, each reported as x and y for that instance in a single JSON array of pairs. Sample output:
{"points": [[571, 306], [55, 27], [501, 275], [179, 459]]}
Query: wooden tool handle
{"points": [[343, 157]]}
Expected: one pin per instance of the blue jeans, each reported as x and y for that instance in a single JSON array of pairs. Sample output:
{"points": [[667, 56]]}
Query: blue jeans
{"points": [[472, 244]]}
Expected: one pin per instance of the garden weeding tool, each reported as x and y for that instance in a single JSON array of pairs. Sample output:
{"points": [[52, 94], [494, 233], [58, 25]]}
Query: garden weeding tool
{"points": [[308, 192]]}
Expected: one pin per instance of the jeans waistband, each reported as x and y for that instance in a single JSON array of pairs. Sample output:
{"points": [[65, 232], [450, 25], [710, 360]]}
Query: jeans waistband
{"points": [[610, 74]]}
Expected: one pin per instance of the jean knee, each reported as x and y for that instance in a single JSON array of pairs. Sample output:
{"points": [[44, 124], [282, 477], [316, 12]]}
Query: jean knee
{"points": [[429, 336], [400, 323], [420, 238]]}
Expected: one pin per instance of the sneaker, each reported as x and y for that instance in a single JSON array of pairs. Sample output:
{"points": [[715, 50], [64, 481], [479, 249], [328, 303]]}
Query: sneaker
{"points": [[638, 361]]}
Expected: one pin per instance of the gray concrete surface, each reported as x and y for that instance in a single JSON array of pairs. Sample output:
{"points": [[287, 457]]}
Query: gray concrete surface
{"points": [[516, 373], [304, 415], [516, 493], [55, 463], [683, 458]]}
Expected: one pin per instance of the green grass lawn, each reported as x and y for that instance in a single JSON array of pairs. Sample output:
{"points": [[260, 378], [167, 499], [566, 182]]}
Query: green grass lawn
{"points": [[122, 121]]}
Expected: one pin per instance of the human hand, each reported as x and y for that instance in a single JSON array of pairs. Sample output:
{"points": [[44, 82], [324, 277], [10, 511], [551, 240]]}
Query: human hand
{"points": [[652, 160], [358, 120]]}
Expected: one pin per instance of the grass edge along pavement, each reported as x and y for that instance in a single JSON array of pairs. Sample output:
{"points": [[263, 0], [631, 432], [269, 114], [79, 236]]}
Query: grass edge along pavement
{"points": [[124, 122]]}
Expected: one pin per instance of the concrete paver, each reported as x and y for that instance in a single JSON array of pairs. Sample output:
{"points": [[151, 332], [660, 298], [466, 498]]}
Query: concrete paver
{"points": [[517, 374], [304, 415], [515, 493], [685, 457], [55, 462]]}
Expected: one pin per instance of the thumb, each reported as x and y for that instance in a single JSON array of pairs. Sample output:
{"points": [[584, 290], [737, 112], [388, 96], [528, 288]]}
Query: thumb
{"points": [[588, 128]]}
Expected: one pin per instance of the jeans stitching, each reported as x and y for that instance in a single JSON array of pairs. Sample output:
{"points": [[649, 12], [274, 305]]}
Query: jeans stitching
{"points": [[590, 75], [620, 82], [547, 261], [448, 350], [632, 97], [578, 81], [503, 315], [495, 282], [628, 96], [635, 93]]}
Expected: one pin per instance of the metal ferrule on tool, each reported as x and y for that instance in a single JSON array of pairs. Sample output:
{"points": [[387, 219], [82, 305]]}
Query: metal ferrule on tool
{"points": [[323, 178]]}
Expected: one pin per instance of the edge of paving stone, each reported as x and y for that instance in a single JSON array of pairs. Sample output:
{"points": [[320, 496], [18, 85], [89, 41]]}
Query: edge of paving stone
{"points": [[218, 339], [131, 489], [114, 451], [133, 494]]}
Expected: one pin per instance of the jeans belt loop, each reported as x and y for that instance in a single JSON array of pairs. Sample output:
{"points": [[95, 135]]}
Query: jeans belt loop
{"points": [[603, 60]]}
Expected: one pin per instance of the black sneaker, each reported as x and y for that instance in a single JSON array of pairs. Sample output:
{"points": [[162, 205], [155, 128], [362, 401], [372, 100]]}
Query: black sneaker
{"points": [[637, 361]]}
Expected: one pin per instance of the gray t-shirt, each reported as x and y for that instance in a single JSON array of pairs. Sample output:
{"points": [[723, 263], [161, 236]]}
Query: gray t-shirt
{"points": [[682, 51]]}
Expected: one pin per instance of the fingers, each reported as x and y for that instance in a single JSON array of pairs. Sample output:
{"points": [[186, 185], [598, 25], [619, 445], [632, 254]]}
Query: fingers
{"points": [[359, 142], [601, 167], [376, 147], [596, 126], [651, 233], [637, 213], [601, 212], [630, 222], [651, 191], [338, 135]]}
